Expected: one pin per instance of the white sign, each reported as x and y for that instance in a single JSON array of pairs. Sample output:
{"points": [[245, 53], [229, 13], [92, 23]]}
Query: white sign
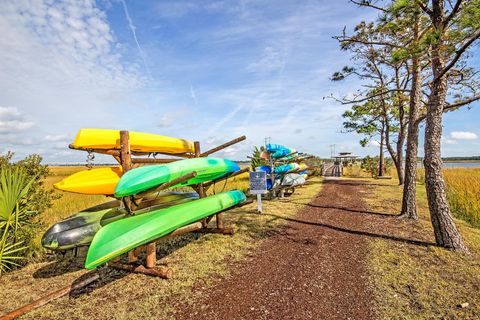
{"points": [[258, 182]]}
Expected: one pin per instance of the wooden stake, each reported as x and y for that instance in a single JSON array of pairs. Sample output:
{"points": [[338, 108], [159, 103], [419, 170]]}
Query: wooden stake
{"points": [[199, 188], [219, 220], [111, 152], [153, 160], [91, 277], [151, 255], [176, 181]]}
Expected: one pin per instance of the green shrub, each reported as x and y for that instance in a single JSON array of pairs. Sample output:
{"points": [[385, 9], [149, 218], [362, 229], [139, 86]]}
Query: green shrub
{"points": [[370, 164], [22, 198]]}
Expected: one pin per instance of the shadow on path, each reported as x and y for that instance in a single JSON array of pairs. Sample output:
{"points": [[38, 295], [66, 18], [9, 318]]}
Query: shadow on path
{"points": [[357, 232], [385, 214]]}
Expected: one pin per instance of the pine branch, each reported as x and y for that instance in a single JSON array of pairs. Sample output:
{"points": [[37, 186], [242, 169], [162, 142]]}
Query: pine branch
{"points": [[458, 55], [454, 12]]}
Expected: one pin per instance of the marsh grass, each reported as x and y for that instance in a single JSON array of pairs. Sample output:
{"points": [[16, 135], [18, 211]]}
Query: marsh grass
{"points": [[463, 193]]}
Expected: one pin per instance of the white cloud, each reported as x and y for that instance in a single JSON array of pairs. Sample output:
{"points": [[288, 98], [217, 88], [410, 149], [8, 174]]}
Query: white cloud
{"points": [[449, 141], [61, 62], [463, 135], [12, 120], [55, 138]]}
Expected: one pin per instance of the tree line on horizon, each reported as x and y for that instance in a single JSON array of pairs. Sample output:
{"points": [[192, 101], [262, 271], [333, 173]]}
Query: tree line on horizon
{"points": [[414, 64]]}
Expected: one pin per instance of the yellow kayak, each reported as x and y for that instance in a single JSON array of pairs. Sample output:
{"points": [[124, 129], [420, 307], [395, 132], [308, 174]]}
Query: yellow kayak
{"points": [[139, 141], [302, 167], [94, 181]]}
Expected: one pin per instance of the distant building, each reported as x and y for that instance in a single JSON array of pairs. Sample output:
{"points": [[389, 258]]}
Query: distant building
{"points": [[345, 157]]}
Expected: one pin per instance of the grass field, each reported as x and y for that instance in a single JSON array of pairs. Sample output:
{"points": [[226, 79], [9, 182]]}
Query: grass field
{"points": [[463, 192], [463, 189], [421, 282], [197, 260]]}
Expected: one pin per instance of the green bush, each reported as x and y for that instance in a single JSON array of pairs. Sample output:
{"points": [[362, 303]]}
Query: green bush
{"points": [[370, 164], [22, 198]]}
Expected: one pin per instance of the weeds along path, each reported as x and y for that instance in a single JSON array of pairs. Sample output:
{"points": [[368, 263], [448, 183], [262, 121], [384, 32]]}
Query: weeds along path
{"points": [[313, 267]]}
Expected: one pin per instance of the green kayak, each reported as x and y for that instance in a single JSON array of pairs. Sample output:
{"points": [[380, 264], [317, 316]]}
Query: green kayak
{"points": [[124, 235], [148, 177], [79, 229]]}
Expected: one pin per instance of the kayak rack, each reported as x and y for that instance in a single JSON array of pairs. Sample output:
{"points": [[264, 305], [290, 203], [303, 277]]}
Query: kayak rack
{"points": [[128, 160]]}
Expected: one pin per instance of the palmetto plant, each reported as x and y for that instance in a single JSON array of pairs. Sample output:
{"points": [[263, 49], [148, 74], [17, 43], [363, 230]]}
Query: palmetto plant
{"points": [[14, 214]]}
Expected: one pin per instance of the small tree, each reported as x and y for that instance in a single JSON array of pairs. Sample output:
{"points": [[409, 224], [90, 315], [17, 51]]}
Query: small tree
{"points": [[370, 164], [255, 160], [367, 119]]}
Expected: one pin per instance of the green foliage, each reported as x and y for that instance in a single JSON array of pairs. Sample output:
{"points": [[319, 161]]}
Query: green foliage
{"points": [[15, 185], [37, 194], [371, 164], [256, 161], [469, 19], [22, 198], [365, 119]]}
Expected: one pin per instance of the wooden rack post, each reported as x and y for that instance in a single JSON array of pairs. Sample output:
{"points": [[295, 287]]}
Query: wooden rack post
{"points": [[199, 187], [126, 163]]}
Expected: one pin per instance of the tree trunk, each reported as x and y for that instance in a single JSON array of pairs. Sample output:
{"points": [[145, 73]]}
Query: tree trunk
{"points": [[409, 201], [381, 162], [409, 197], [446, 233], [399, 167]]}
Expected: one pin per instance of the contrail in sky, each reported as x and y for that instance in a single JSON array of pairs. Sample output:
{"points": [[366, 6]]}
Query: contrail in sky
{"points": [[132, 28]]}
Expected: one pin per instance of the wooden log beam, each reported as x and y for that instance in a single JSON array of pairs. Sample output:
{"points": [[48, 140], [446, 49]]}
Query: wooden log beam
{"points": [[186, 229], [153, 160], [164, 273], [90, 277], [111, 152], [236, 173], [223, 146], [166, 185]]}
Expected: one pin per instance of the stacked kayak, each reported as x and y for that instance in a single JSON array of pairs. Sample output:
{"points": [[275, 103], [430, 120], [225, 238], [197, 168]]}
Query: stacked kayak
{"points": [[290, 180], [94, 181], [80, 228], [279, 151], [285, 168], [287, 171], [109, 229], [124, 235], [144, 178], [139, 141]]}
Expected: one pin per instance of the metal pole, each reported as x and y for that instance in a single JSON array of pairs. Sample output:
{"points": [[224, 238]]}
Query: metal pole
{"points": [[259, 202]]}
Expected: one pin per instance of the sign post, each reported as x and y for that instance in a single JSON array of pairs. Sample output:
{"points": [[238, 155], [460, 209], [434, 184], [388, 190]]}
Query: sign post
{"points": [[258, 186]]}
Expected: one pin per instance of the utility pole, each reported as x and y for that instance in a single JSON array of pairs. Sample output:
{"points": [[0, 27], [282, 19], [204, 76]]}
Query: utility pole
{"points": [[332, 150], [267, 140]]}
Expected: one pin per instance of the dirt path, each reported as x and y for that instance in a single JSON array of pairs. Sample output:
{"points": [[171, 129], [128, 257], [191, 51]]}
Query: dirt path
{"points": [[313, 268]]}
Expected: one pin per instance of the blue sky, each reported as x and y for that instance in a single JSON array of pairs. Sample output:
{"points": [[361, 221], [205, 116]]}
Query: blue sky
{"points": [[200, 70]]}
